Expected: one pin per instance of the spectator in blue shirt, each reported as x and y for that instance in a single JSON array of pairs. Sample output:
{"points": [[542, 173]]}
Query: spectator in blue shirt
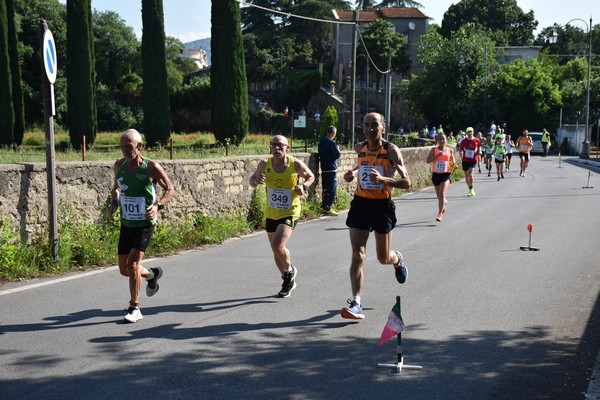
{"points": [[329, 153]]}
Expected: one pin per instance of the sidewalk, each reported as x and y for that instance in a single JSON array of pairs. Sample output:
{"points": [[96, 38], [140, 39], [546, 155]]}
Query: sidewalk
{"points": [[593, 392]]}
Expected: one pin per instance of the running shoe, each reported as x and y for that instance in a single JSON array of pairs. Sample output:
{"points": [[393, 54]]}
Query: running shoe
{"points": [[354, 311], [289, 283], [400, 269], [471, 193], [331, 211], [152, 286], [498, 179], [133, 315], [439, 217], [501, 175]]}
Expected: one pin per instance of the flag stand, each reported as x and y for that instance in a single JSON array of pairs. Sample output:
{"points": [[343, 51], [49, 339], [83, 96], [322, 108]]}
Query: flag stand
{"points": [[529, 248], [397, 367]]}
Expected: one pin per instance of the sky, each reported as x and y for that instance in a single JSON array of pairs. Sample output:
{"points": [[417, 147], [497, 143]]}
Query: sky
{"points": [[189, 20]]}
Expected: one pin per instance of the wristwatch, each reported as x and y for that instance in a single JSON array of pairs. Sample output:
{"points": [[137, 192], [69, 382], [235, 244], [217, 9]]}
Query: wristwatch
{"points": [[159, 205]]}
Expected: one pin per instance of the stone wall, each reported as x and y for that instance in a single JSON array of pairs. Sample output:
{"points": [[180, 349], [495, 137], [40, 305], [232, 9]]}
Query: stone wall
{"points": [[209, 186]]}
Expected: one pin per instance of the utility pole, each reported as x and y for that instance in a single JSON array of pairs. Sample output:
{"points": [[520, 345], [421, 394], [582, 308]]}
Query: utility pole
{"points": [[353, 79]]}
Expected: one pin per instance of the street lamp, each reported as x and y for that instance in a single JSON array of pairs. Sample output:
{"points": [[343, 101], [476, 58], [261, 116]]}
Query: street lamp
{"points": [[585, 148]]}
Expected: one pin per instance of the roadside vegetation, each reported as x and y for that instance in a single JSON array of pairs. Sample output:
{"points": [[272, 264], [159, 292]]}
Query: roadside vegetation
{"points": [[86, 244]]}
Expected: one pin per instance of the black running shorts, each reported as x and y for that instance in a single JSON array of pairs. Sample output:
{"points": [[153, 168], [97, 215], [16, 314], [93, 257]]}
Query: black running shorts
{"points": [[135, 238], [439, 178], [377, 215], [272, 224]]}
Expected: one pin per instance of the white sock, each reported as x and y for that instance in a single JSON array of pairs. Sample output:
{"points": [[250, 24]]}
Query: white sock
{"points": [[356, 299]]}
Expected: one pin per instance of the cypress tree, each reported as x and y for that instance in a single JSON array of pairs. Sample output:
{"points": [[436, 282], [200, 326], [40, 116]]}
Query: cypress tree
{"points": [[229, 86], [15, 70], [330, 118], [7, 115], [81, 74], [155, 96]]}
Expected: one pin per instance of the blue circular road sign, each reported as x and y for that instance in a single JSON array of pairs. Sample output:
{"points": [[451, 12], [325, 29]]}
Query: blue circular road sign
{"points": [[49, 56]]}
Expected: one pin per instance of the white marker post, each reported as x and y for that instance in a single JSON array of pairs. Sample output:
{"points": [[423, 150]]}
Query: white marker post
{"points": [[530, 248]]}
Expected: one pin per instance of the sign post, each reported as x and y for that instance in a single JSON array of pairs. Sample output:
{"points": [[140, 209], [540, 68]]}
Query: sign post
{"points": [[49, 60]]}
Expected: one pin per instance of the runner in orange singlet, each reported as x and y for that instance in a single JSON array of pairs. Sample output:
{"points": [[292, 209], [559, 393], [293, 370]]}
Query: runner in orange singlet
{"points": [[441, 159]]}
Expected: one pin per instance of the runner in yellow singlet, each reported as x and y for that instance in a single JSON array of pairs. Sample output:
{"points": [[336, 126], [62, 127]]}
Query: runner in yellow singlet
{"points": [[281, 175]]}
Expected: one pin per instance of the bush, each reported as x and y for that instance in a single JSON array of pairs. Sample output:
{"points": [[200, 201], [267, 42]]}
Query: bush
{"points": [[256, 215]]}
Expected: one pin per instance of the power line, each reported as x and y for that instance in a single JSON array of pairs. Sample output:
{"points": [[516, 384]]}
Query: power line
{"points": [[327, 21]]}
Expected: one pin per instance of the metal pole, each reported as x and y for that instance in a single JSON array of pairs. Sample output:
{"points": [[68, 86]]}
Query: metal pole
{"points": [[585, 151], [353, 82], [50, 154], [485, 91], [388, 97], [368, 88], [399, 337]]}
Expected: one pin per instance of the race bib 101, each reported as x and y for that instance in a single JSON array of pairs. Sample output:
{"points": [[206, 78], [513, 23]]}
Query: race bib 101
{"points": [[133, 208]]}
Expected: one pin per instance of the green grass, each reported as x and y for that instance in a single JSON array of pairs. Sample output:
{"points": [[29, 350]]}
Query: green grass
{"points": [[106, 147], [85, 244]]}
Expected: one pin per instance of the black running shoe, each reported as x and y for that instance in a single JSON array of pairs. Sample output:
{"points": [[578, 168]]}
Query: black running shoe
{"points": [[400, 269], [289, 283], [152, 287]]}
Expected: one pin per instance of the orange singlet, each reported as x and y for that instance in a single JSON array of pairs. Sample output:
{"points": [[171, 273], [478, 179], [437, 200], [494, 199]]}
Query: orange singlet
{"points": [[368, 159]]}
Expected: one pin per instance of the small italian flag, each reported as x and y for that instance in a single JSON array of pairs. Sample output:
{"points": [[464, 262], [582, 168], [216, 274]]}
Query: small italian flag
{"points": [[394, 325]]}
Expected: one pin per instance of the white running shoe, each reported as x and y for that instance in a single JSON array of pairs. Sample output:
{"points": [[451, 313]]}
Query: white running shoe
{"points": [[354, 311], [133, 315]]}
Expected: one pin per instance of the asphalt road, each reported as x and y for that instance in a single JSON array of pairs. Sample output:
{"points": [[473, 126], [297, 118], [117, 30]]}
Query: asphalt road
{"points": [[484, 319]]}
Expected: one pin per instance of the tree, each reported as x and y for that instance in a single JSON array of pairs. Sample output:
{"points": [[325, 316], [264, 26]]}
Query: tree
{"points": [[399, 3], [7, 115], [453, 84], [572, 41], [503, 20], [527, 95], [29, 13], [15, 70], [330, 118], [318, 34], [177, 68], [365, 4], [118, 50], [385, 46], [81, 74], [155, 98], [229, 86], [119, 70]]}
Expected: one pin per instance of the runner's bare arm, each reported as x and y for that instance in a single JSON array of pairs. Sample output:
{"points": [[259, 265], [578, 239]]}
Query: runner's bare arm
{"points": [[306, 174], [114, 193], [156, 172], [258, 176], [395, 157]]}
